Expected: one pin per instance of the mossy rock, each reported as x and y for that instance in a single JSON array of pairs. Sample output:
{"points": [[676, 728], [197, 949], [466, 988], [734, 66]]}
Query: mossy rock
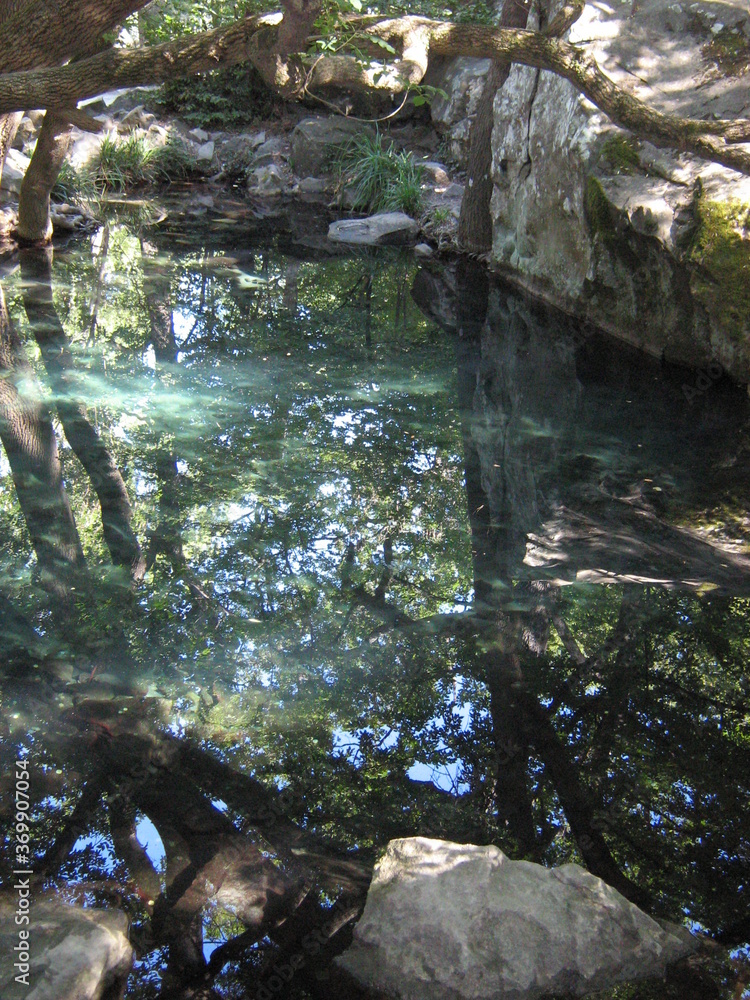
{"points": [[601, 215], [620, 154], [720, 251]]}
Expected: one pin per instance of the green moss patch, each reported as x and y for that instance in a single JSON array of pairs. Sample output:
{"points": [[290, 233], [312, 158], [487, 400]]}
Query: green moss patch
{"points": [[721, 249], [620, 154], [729, 51], [600, 213]]}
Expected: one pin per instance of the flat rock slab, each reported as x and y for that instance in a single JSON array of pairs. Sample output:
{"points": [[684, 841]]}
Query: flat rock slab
{"points": [[75, 953], [385, 229], [450, 921]]}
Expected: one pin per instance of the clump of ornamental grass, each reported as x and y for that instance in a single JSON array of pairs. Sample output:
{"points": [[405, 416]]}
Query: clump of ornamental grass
{"points": [[377, 178]]}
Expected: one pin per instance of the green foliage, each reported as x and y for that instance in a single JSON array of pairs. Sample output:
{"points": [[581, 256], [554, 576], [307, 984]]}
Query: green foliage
{"points": [[729, 51], [380, 179], [600, 214], [73, 186], [226, 98]]}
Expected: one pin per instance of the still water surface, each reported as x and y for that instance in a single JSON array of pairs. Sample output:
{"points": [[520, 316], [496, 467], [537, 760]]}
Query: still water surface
{"points": [[390, 551]]}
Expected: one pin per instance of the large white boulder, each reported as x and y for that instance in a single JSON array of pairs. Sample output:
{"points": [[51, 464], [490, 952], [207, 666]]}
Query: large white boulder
{"points": [[448, 921], [16, 165], [74, 953]]}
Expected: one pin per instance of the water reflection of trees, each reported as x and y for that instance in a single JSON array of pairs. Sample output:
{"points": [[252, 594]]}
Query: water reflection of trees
{"points": [[343, 673]]}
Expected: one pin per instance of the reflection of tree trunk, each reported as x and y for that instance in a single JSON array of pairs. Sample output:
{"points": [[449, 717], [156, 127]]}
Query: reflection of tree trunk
{"points": [[82, 436], [519, 722], [290, 298], [31, 446], [166, 539], [208, 859]]}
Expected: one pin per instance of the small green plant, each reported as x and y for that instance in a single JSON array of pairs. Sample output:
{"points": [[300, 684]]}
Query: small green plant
{"points": [[172, 161], [379, 178], [729, 51], [73, 186]]}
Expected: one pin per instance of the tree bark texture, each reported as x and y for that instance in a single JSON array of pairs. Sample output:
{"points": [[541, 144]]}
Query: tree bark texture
{"points": [[34, 224], [475, 223]]}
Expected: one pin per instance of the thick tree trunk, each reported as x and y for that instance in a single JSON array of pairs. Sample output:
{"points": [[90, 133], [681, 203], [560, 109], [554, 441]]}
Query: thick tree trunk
{"points": [[39, 33], [30, 444], [475, 223], [81, 434], [34, 224]]}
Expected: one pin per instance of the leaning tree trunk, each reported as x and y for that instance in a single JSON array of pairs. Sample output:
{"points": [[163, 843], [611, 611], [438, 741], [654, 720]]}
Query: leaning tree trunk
{"points": [[8, 128], [34, 223]]}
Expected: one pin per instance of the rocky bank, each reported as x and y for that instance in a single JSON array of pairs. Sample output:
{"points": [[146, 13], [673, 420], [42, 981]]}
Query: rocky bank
{"points": [[649, 245]]}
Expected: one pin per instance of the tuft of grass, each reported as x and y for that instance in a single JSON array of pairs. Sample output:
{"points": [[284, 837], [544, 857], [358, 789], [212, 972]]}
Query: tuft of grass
{"points": [[122, 164], [173, 161], [380, 179], [73, 186]]}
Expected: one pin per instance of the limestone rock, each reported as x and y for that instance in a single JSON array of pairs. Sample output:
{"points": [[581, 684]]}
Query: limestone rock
{"points": [[448, 921], [312, 185], [316, 141], [384, 229], [26, 132], [199, 135], [602, 224], [436, 174], [205, 152], [266, 181], [16, 165], [75, 953], [462, 80]]}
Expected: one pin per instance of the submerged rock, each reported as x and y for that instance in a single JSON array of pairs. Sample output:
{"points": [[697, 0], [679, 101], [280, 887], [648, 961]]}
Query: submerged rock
{"points": [[647, 244], [385, 229], [451, 921], [74, 953]]}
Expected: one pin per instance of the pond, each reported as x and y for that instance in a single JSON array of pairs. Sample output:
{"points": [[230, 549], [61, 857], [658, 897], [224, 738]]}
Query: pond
{"points": [[305, 551]]}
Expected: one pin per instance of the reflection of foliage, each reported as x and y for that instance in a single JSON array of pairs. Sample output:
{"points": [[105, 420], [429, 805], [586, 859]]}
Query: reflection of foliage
{"points": [[299, 438]]}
